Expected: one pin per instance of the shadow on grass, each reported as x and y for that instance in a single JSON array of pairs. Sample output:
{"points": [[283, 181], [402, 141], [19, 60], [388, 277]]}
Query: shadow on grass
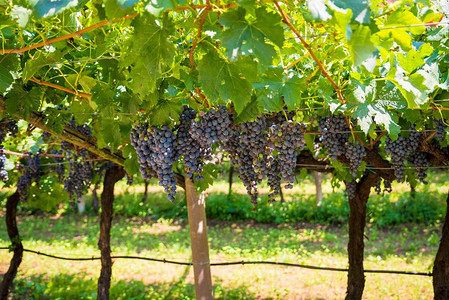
{"points": [[65, 286]]}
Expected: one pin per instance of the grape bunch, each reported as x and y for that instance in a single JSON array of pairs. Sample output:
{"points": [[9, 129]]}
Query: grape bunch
{"points": [[31, 172], [274, 177], [59, 165], [334, 135], [421, 161], [440, 129], [400, 149], [7, 127], [212, 126], [351, 189], [286, 139], [140, 141], [355, 153], [378, 186], [194, 155], [155, 149], [80, 173]]}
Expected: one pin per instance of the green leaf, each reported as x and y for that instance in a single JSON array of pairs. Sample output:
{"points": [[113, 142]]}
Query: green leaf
{"points": [[250, 112], [23, 102], [165, 112], [291, 91], [21, 14], [38, 61], [360, 9], [367, 113], [47, 8], [318, 9], [222, 80], [6, 79], [250, 37], [360, 45], [117, 8], [156, 7], [149, 52], [131, 164], [414, 59], [209, 173]]}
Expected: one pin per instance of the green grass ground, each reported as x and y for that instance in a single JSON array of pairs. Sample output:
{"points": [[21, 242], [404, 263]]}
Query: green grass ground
{"points": [[409, 245], [400, 248]]}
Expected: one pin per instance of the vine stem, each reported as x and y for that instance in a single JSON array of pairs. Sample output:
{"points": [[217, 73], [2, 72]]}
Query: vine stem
{"points": [[84, 96], [41, 155], [285, 19], [67, 36]]}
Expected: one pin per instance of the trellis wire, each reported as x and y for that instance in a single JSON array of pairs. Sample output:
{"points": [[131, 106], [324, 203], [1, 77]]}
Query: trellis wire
{"points": [[224, 263]]}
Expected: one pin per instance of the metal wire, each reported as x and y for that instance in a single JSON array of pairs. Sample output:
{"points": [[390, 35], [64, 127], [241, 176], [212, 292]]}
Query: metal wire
{"points": [[224, 263]]}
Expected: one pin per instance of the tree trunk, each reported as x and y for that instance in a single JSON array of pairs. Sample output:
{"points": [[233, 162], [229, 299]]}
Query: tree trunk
{"points": [[145, 193], [112, 175], [441, 264], [231, 179], [13, 233], [95, 202], [318, 177], [196, 206], [357, 221], [413, 191], [281, 194]]}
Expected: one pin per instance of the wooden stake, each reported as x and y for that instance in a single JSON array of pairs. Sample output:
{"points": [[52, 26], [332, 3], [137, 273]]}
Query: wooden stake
{"points": [[196, 208]]}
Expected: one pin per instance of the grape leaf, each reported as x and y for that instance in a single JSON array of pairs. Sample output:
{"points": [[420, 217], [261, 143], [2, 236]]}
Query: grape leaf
{"points": [[148, 52], [47, 8], [38, 61], [318, 9], [250, 37], [360, 9], [165, 112], [223, 80], [23, 102], [367, 113], [360, 44]]}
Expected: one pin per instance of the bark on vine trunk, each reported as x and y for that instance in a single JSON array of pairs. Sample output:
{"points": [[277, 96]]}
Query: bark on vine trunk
{"points": [[231, 179], [357, 222], [441, 264], [112, 175], [13, 233]]}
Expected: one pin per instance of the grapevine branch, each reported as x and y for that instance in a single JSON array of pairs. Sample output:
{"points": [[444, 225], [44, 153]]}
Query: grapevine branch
{"points": [[84, 96], [285, 19], [67, 36]]}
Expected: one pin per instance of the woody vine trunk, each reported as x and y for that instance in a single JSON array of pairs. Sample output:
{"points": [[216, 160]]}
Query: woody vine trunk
{"points": [[112, 175], [441, 264], [357, 222], [13, 233]]}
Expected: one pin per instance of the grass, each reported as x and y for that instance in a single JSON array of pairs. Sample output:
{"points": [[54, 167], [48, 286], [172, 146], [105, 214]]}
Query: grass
{"points": [[402, 234], [400, 248]]}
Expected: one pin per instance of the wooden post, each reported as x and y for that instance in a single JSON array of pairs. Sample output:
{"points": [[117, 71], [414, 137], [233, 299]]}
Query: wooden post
{"points": [[196, 208]]}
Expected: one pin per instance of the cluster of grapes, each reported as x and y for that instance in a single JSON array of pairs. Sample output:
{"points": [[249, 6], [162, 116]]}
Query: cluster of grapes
{"points": [[7, 127], [421, 161], [248, 145], [80, 173], [31, 172], [155, 149], [335, 133], [378, 186], [212, 126], [59, 165], [440, 129], [351, 189], [400, 149], [193, 154], [286, 139]]}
